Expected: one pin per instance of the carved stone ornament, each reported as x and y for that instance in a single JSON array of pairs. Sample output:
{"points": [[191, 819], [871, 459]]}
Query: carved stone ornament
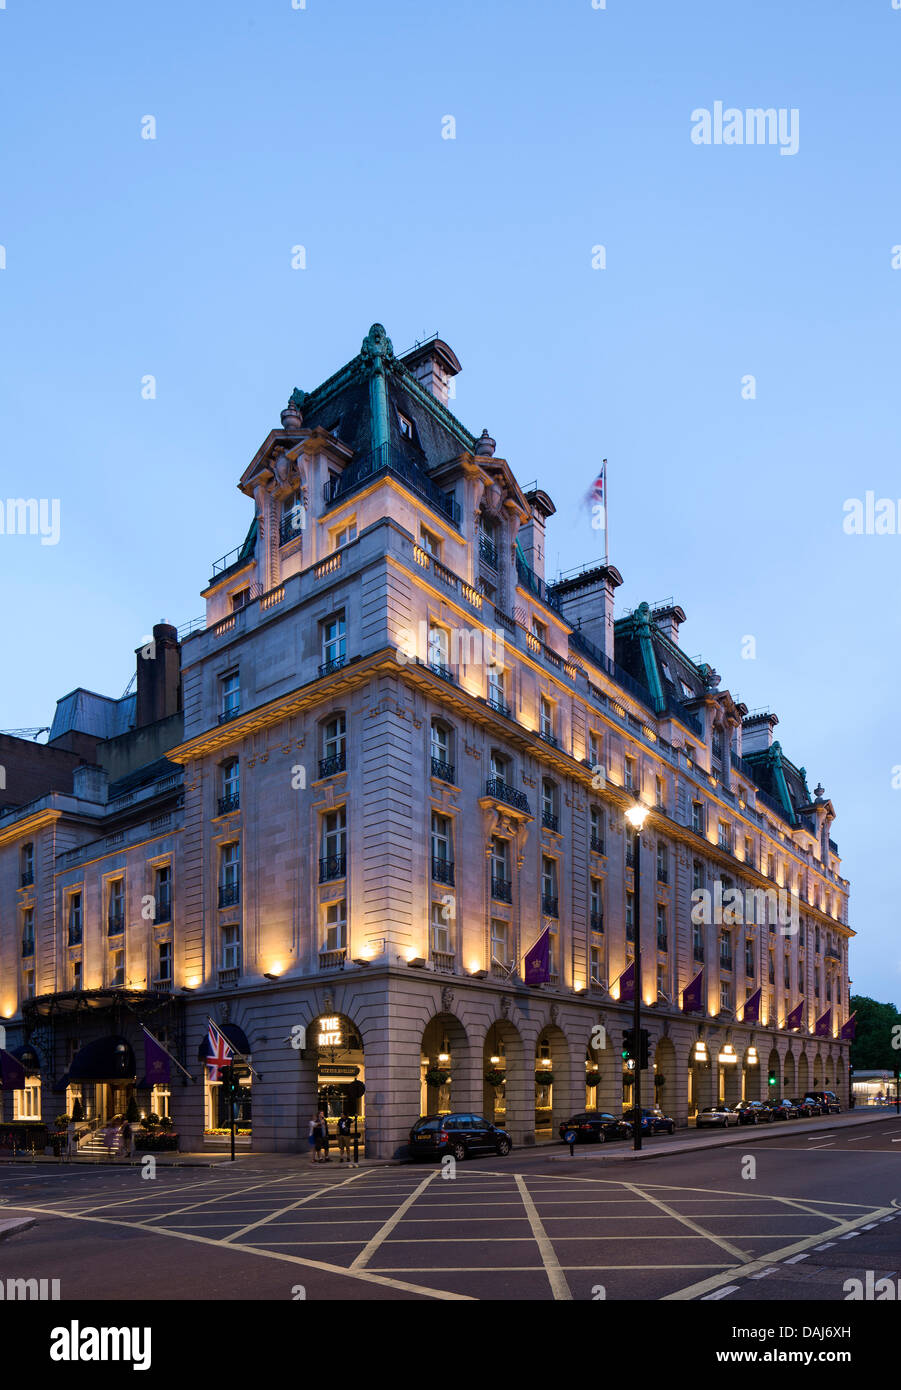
{"points": [[505, 1006], [555, 1013], [447, 999], [485, 445]]}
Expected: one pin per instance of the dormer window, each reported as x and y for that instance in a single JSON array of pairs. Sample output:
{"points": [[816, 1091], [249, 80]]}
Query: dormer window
{"points": [[430, 542], [240, 599], [406, 426], [345, 534]]}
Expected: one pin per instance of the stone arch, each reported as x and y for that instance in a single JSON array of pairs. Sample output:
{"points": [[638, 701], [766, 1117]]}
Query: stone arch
{"points": [[752, 1067], [503, 1051], [444, 1048], [773, 1068], [818, 1071], [554, 1102], [789, 1075], [803, 1075], [701, 1075], [666, 1091]]}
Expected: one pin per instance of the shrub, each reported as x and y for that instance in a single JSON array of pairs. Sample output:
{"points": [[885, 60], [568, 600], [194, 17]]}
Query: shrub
{"points": [[132, 1113], [77, 1110]]}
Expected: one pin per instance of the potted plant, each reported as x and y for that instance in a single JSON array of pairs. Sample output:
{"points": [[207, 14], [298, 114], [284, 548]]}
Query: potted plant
{"points": [[495, 1077], [437, 1076], [132, 1113], [544, 1076], [77, 1111], [592, 1078]]}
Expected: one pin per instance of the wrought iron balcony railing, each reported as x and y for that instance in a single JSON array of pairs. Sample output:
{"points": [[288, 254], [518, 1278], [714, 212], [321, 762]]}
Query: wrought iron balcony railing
{"points": [[332, 866], [442, 870], [501, 791], [387, 459], [336, 763], [549, 905], [501, 889], [443, 770], [229, 803], [229, 893]]}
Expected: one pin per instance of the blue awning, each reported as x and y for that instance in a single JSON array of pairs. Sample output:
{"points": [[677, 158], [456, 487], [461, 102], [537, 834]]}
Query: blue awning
{"points": [[28, 1057], [104, 1059]]}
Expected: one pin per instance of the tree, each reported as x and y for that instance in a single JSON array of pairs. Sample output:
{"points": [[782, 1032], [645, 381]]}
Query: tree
{"points": [[872, 1049], [132, 1114], [77, 1110]]}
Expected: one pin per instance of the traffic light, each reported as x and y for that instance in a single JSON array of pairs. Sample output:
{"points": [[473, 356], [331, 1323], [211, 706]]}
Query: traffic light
{"points": [[633, 1054], [771, 1079]]}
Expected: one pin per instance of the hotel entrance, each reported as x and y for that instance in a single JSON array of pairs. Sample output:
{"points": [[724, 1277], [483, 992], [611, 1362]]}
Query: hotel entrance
{"points": [[338, 1049]]}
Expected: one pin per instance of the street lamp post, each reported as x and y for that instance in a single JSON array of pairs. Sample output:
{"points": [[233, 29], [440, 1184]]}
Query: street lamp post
{"points": [[636, 816]]}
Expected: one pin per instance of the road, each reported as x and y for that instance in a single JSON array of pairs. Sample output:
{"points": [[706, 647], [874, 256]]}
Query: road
{"points": [[780, 1215]]}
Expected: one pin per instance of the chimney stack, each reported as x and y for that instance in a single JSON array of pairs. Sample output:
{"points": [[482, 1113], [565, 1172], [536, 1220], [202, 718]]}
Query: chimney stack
{"points": [[159, 676], [433, 364], [531, 536], [757, 732], [669, 618], [586, 601], [90, 783]]}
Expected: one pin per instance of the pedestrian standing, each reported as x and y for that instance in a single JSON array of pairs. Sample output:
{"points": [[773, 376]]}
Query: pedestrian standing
{"points": [[316, 1138], [127, 1138], [71, 1139], [323, 1124], [344, 1138]]}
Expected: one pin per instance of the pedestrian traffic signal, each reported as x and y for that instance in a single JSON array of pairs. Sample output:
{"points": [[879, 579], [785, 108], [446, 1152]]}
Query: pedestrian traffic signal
{"points": [[628, 1044], [639, 1054]]}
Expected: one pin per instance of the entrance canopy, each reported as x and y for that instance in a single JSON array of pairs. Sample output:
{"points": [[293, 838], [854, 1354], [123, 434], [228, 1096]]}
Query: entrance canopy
{"points": [[105, 1059]]}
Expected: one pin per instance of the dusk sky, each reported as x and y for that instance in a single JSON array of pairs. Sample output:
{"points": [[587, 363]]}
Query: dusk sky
{"points": [[321, 127]]}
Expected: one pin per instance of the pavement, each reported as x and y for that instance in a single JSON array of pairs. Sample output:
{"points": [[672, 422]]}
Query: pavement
{"points": [[707, 1221]]}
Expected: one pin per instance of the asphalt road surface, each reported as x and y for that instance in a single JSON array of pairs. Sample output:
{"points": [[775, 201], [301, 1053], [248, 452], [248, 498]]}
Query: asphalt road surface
{"points": [[781, 1215]]}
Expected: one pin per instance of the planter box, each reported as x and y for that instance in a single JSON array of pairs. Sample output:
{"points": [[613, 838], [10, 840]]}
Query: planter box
{"points": [[158, 1142]]}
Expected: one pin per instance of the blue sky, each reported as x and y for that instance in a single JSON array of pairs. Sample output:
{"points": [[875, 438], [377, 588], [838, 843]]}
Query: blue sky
{"points": [[322, 127]]}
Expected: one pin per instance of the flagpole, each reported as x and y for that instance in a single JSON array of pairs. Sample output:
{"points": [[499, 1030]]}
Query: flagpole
{"points": [[606, 518], [242, 1055]]}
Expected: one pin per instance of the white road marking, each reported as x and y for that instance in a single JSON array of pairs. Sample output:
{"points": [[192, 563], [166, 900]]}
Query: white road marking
{"points": [[692, 1225], [273, 1215], [722, 1293], [556, 1278], [827, 1245], [764, 1273], [796, 1259], [385, 1230]]}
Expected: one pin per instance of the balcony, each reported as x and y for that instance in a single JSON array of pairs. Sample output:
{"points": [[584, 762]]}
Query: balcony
{"points": [[529, 580], [27, 878], [596, 920], [332, 866], [493, 703], [442, 870], [549, 905], [228, 803], [501, 889], [725, 963], [229, 894], [115, 924], [630, 857], [698, 952], [443, 960], [662, 874], [336, 763], [162, 909], [333, 960], [488, 552], [229, 975], [833, 957], [547, 737], [441, 670], [443, 770], [388, 460], [502, 791], [550, 821], [27, 947], [596, 844], [74, 937], [662, 942], [335, 664], [291, 526]]}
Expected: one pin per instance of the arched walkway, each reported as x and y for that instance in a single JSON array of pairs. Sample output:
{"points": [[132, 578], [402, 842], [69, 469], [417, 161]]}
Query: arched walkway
{"points": [[665, 1084], [554, 1081], [444, 1054], [803, 1076], [503, 1056], [789, 1076]]}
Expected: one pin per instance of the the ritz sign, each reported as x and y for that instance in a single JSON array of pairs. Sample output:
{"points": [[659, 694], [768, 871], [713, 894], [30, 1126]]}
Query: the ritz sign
{"points": [[330, 1032]]}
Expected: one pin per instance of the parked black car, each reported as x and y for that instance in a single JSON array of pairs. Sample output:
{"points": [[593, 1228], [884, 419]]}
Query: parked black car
{"points": [[653, 1121], [460, 1135], [596, 1127], [808, 1106], [754, 1112], [829, 1102], [786, 1109]]}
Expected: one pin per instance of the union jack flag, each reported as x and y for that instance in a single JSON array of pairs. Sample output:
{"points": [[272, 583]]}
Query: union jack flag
{"points": [[219, 1052], [598, 487]]}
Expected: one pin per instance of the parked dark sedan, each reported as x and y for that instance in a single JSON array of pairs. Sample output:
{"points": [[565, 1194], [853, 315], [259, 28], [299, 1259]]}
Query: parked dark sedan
{"points": [[653, 1121], [786, 1109], [461, 1135], [754, 1112], [809, 1106], [829, 1102], [596, 1127]]}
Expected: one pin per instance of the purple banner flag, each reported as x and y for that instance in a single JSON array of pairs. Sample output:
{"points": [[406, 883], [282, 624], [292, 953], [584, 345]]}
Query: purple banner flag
{"points": [[794, 1018], [752, 1008], [693, 995], [849, 1028], [627, 984], [12, 1073], [823, 1026], [156, 1061], [538, 960]]}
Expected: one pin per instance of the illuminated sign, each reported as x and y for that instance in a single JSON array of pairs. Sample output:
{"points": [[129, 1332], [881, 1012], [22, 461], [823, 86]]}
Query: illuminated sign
{"points": [[330, 1032]]}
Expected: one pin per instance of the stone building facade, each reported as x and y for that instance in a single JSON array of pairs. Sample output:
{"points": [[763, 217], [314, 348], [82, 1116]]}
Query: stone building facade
{"points": [[396, 756]]}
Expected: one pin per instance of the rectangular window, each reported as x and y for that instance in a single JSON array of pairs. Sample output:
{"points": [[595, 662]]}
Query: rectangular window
{"points": [[596, 904], [749, 850], [660, 792], [76, 974], [162, 893], [725, 835], [430, 542], [230, 695], [725, 994], [697, 876], [27, 1102], [787, 973], [725, 950], [594, 748], [164, 963], [334, 736], [74, 919], [335, 926], [440, 928], [231, 947], [497, 689], [630, 916], [442, 848], [500, 942], [661, 927], [595, 964], [552, 953], [231, 784], [334, 643], [546, 719], [344, 535], [539, 630], [27, 865], [697, 816], [596, 829], [629, 775], [749, 958], [661, 978], [116, 907], [240, 599], [439, 648], [28, 932], [549, 886], [697, 941], [28, 983], [117, 969], [662, 864], [229, 874], [501, 887]]}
